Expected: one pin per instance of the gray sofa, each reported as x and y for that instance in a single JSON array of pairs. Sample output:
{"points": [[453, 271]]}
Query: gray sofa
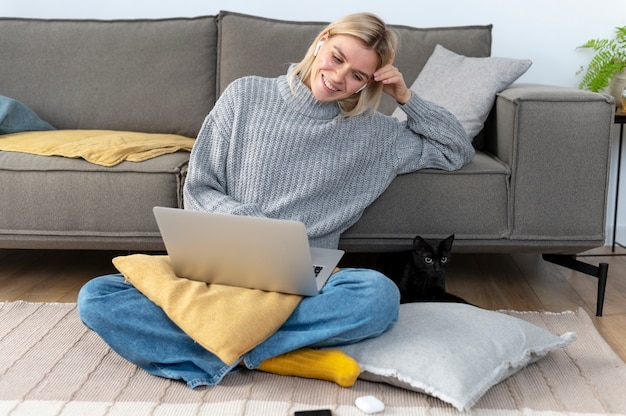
{"points": [[538, 182]]}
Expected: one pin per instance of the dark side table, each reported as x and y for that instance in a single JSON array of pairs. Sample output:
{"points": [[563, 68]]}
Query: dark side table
{"points": [[620, 118]]}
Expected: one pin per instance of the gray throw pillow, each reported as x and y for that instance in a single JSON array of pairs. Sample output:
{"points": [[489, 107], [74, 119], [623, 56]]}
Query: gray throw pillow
{"points": [[452, 351], [465, 86], [16, 117]]}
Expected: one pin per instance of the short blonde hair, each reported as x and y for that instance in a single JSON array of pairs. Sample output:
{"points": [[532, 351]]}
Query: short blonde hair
{"points": [[375, 35]]}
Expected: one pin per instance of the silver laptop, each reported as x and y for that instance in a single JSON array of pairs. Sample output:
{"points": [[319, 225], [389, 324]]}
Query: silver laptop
{"points": [[257, 253]]}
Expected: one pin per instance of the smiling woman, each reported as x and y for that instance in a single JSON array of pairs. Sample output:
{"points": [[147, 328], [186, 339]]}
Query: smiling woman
{"points": [[305, 146]]}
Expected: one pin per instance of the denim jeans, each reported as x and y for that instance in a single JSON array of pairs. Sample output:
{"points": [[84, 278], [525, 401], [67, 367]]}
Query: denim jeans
{"points": [[355, 304]]}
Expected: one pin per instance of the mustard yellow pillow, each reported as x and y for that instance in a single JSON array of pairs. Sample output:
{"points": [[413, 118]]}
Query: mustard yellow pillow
{"points": [[226, 320]]}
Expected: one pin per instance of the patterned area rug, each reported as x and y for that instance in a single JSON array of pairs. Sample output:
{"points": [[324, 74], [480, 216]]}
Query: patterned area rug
{"points": [[50, 364]]}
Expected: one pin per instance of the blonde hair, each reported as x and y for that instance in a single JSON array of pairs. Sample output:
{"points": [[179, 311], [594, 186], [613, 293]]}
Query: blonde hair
{"points": [[375, 35]]}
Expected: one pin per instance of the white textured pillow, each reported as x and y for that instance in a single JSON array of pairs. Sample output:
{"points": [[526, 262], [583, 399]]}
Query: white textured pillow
{"points": [[452, 351], [466, 87]]}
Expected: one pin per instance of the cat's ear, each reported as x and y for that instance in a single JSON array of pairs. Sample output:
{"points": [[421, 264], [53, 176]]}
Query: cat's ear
{"points": [[419, 244], [447, 244]]}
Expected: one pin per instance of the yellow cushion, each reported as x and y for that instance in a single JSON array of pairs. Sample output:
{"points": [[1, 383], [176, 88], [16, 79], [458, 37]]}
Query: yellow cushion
{"points": [[226, 320], [102, 147]]}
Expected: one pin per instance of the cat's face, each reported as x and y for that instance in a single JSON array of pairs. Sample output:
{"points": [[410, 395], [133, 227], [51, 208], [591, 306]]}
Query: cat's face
{"points": [[431, 259]]}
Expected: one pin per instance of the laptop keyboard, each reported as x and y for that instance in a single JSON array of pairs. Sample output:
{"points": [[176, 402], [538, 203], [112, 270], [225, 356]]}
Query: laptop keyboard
{"points": [[317, 270]]}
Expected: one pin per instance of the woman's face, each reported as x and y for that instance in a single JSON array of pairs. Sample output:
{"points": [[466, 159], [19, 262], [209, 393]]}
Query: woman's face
{"points": [[342, 66]]}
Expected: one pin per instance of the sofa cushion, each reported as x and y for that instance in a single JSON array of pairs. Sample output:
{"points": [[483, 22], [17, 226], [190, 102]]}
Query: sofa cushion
{"points": [[472, 203], [156, 76], [267, 46], [466, 86], [74, 201]]}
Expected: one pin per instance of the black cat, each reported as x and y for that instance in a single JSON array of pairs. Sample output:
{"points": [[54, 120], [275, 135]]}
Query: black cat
{"points": [[420, 273]]}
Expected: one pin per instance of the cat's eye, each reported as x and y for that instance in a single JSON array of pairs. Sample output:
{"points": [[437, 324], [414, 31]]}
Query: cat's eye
{"points": [[428, 260], [444, 260]]}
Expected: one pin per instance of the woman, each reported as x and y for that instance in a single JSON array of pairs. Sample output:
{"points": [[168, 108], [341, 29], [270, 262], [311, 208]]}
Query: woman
{"points": [[306, 146]]}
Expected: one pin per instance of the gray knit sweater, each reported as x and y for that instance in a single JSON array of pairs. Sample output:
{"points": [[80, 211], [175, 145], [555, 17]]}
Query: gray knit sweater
{"points": [[268, 150]]}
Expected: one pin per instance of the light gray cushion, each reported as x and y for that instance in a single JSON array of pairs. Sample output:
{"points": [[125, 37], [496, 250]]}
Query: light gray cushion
{"points": [[15, 117], [455, 352], [465, 86]]}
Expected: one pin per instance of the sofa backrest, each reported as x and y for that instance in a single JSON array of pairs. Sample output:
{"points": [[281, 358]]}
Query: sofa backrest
{"points": [[164, 75], [251, 45], [142, 75]]}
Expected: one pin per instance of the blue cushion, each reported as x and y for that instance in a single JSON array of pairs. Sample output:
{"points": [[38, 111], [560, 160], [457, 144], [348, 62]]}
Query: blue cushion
{"points": [[16, 117]]}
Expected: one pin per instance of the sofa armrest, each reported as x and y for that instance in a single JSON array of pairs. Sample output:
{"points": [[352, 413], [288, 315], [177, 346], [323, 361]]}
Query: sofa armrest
{"points": [[556, 141]]}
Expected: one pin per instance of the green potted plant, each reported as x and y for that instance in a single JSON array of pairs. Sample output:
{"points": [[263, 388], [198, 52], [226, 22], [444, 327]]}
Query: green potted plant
{"points": [[607, 66]]}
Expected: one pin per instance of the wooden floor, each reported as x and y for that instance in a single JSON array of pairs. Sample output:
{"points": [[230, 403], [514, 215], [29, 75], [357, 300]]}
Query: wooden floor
{"points": [[492, 281]]}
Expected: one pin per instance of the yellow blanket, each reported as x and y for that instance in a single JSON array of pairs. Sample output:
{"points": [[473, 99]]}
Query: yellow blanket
{"points": [[226, 320], [102, 147]]}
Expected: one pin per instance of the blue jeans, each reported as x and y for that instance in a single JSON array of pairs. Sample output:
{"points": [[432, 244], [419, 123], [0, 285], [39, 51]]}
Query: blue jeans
{"points": [[355, 304]]}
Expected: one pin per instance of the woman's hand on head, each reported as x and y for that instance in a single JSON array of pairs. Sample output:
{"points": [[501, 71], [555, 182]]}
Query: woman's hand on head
{"points": [[393, 82]]}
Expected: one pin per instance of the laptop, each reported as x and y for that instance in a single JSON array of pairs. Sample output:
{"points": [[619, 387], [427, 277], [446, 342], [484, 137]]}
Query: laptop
{"points": [[256, 253]]}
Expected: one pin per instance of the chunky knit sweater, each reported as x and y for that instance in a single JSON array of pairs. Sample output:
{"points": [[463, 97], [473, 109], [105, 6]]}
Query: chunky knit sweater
{"points": [[269, 150]]}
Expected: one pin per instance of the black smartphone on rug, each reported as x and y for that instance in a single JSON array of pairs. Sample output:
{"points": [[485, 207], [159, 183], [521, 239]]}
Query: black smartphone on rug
{"points": [[324, 412]]}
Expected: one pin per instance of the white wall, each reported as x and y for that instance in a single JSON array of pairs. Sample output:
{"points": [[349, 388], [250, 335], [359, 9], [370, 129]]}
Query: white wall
{"points": [[546, 31]]}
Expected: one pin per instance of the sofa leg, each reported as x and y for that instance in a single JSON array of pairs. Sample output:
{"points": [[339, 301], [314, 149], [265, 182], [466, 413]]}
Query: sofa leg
{"points": [[600, 272]]}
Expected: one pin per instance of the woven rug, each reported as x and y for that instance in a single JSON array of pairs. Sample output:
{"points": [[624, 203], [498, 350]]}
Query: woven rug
{"points": [[50, 364]]}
